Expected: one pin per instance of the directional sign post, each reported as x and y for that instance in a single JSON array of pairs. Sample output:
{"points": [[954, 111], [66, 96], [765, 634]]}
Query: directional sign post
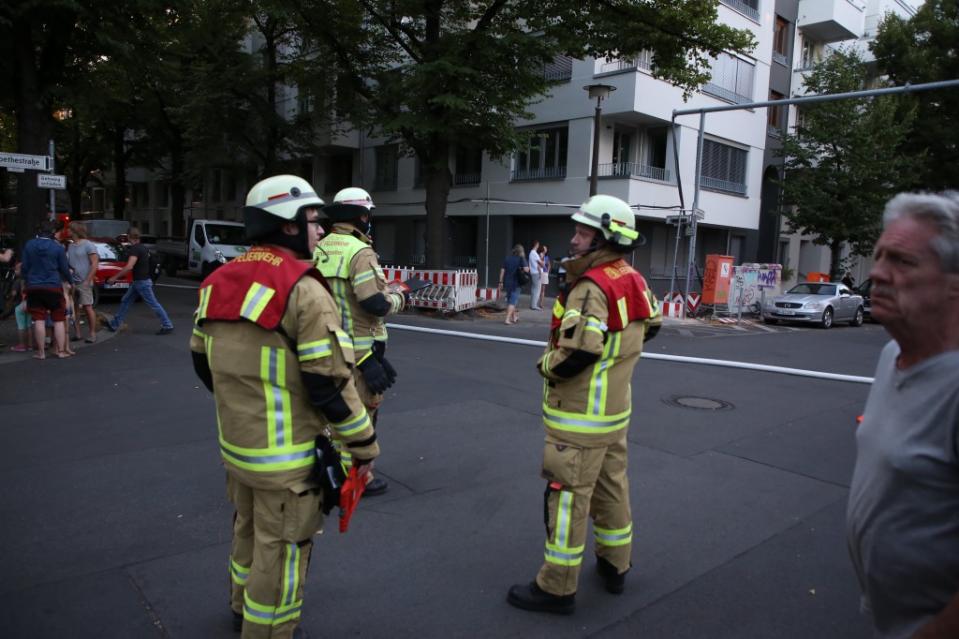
{"points": [[50, 181], [17, 162]]}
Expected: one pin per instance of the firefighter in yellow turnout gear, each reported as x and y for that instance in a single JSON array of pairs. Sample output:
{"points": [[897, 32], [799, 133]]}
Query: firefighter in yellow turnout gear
{"points": [[347, 260], [597, 333], [267, 342]]}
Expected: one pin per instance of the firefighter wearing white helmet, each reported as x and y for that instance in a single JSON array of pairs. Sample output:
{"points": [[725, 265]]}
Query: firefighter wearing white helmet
{"points": [[348, 262], [596, 337], [267, 342]]}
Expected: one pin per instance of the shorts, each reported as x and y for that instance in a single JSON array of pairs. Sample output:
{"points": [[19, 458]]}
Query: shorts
{"points": [[40, 301], [512, 297], [83, 293]]}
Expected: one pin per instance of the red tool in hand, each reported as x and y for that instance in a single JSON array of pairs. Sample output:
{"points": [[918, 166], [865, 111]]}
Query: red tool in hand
{"points": [[350, 493]]}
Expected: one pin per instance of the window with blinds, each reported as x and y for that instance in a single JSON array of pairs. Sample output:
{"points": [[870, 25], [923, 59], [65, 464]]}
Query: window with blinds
{"points": [[724, 167], [732, 79], [387, 157]]}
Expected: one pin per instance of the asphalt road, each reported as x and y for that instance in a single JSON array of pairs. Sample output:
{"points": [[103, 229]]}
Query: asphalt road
{"points": [[116, 524]]}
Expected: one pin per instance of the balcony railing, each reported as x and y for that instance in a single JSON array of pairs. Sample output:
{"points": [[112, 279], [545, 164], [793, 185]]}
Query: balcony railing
{"points": [[633, 169], [725, 94], [467, 179], [559, 70], [642, 61], [780, 58], [545, 173], [743, 7], [722, 185]]}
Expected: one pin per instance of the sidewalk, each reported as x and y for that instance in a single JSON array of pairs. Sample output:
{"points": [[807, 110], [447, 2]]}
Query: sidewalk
{"points": [[9, 337], [542, 318]]}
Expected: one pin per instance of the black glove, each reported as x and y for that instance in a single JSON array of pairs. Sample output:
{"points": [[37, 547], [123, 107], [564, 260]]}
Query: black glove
{"points": [[379, 352], [374, 375]]}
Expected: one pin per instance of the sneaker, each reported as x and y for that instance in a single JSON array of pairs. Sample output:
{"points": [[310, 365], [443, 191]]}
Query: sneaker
{"points": [[532, 597], [165, 331], [111, 327], [19, 348]]}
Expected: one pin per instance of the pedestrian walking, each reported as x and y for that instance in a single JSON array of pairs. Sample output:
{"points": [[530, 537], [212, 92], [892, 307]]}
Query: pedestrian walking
{"points": [[544, 274], [268, 343], [347, 260], [902, 520], [596, 338], [511, 275], [84, 260], [142, 285], [44, 269], [535, 274]]}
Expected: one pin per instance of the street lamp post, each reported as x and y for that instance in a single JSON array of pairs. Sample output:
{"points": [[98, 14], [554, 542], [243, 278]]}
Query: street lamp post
{"points": [[600, 92]]}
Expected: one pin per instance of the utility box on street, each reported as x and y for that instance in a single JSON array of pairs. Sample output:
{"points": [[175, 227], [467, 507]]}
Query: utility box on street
{"points": [[716, 279]]}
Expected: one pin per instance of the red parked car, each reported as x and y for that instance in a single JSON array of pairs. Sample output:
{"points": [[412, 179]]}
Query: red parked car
{"points": [[113, 256]]}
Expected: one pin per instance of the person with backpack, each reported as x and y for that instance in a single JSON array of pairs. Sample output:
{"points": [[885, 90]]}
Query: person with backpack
{"points": [[512, 277], [142, 286]]}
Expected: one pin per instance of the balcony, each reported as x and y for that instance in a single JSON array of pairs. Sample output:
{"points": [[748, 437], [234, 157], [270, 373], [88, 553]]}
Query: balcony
{"points": [[559, 70], [467, 179], [831, 20], [725, 94], [745, 7], [544, 173], [644, 62], [633, 169]]}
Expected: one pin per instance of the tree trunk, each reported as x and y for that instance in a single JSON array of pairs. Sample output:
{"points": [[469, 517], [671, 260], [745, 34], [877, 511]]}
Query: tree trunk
{"points": [[120, 171], [835, 260], [437, 180], [34, 128], [177, 192]]}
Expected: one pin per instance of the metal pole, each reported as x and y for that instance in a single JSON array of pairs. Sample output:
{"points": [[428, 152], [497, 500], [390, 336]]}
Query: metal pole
{"points": [[53, 192], [691, 258], [595, 163], [672, 275], [486, 277]]}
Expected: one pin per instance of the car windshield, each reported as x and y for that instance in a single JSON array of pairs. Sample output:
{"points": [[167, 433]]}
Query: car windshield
{"points": [[810, 288], [226, 234], [111, 252]]}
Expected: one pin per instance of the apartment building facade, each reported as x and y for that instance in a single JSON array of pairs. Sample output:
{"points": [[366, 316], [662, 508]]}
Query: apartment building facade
{"points": [[495, 203]]}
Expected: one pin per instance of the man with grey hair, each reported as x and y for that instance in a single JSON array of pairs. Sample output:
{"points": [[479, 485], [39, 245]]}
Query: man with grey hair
{"points": [[902, 520]]}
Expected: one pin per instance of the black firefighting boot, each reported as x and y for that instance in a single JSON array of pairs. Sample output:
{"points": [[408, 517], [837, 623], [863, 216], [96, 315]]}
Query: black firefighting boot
{"points": [[532, 597], [237, 621], [376, 486], [300, 633], [615, 582]]}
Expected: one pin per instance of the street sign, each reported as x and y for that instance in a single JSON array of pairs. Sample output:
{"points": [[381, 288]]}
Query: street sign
{"points": [[48, 181], [18, 162]]}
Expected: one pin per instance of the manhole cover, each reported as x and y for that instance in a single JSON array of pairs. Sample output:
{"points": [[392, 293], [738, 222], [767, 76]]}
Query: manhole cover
{"points": [[697, 403]]}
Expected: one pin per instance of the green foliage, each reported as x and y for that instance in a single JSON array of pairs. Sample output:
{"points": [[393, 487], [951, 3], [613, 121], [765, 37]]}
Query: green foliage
{"points": [[434, 73], [843, 162], [923, 49]]}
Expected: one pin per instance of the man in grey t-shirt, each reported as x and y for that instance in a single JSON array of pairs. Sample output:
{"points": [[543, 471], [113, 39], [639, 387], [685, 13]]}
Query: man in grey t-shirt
{"points": [[84, 260], [902, 519]]}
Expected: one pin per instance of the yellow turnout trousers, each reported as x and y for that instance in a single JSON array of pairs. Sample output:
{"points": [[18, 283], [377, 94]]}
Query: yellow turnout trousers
{"points": [[582, 483], [269, 557]]}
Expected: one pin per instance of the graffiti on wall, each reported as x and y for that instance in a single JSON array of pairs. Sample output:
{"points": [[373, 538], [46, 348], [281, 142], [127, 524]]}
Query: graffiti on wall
{"points": [[752, 283]]}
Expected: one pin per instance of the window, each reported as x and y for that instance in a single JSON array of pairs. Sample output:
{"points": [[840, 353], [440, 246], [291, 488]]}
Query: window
{"points": [[732, 79], [749, 8], [339, 172], [559, 70], [198, 236], [780, 40], [163, 194], [809, 55], [215, 190], [229, 186], [774, 114], [387, 157], [656, 148], [724, 167], [469, 166], [544, 155]]}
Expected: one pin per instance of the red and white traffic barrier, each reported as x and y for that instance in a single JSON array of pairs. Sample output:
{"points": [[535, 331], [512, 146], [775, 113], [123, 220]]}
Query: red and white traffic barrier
{"points": [[449, 290]]}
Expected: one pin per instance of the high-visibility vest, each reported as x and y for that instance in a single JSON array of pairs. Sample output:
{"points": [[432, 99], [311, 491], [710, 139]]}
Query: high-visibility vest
{"points": [[333, 257]]}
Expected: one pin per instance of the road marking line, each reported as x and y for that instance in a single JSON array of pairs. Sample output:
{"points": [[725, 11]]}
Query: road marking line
{"points": [[192, 288], [799, 372]]}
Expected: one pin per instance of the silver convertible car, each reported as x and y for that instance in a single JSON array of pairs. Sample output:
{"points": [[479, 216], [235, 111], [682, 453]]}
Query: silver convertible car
{"points": [[818, 302]]}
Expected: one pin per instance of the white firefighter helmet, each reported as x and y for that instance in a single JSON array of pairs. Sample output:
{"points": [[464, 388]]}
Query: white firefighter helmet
{"points": [[349, 204], [612, 217], [283, 196]]}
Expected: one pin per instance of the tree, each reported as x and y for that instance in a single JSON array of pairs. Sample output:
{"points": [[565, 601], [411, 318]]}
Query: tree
{"points": [[923, 49], [843, 162], [431, 73]]}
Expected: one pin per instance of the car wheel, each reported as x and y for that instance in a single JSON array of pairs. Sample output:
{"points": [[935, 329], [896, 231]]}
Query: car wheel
{"points": [[826, 321], [857, 320], [769, 320]]}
